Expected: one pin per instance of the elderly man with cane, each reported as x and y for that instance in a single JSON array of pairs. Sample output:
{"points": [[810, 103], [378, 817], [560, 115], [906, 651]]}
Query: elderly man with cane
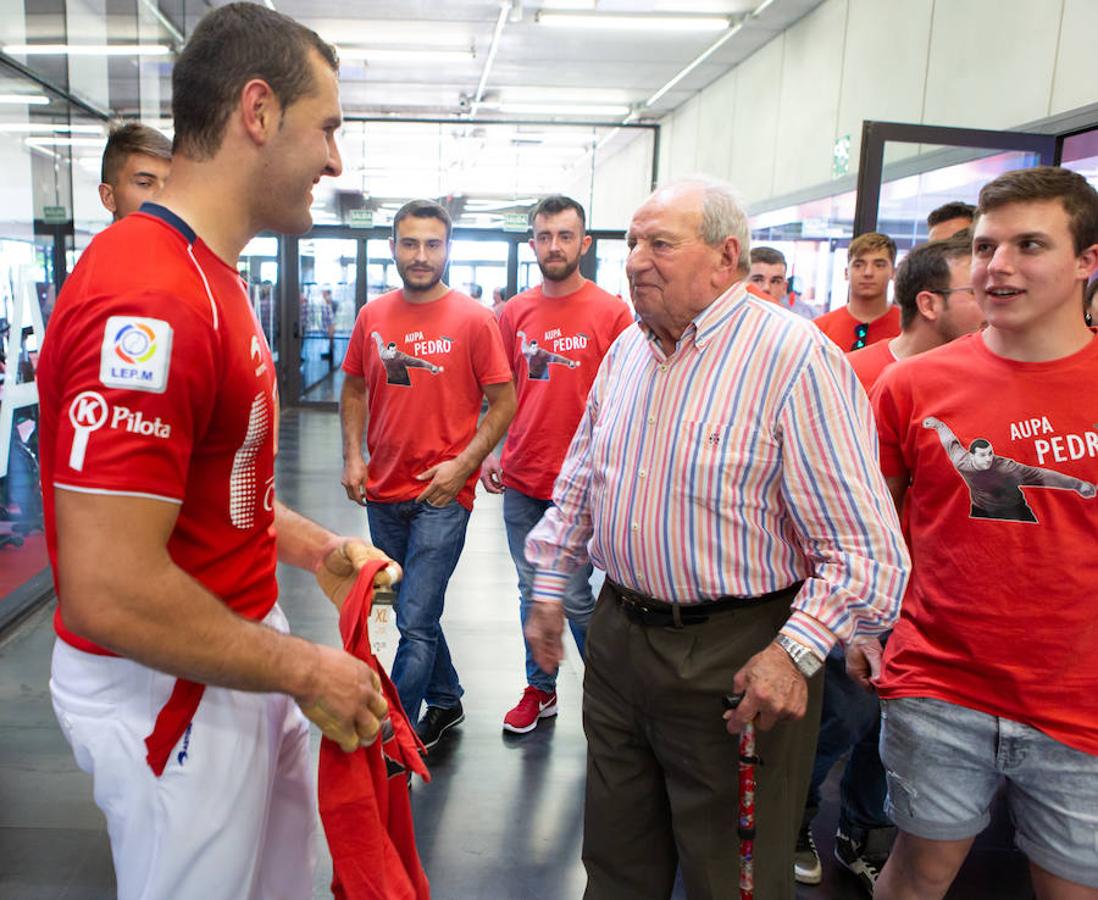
{"points": [[725, 477]]}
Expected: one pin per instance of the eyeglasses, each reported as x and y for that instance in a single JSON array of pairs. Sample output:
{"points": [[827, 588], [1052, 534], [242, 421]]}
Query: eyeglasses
{"points": [[861, 332]]}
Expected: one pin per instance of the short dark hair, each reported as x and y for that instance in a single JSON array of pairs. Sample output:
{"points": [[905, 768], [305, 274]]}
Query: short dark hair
{"points": [[767, 255], [127, 139], [979, 444], [231, 46], [926, 268], [558, 203], [423, 209], [955, 209], [871, 242], [1079, 199]]}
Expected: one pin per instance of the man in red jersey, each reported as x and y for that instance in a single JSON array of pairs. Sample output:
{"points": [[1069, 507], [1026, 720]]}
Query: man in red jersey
{"points": [[174, 678], [937, 304], [419, 362], [556, 334], [867, 317], [988, 679]]}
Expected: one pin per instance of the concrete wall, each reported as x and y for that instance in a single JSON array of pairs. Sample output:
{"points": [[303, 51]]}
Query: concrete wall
{"points": [[770, 124]]}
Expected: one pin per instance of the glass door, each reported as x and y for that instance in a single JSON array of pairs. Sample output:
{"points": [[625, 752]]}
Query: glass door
{"points": [[908, 170], [328, 279]]}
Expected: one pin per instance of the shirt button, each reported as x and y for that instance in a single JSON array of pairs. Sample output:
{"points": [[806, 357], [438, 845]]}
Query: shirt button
{"points": [[663, 368], [651, 420], [635, 527], [642, 473]]}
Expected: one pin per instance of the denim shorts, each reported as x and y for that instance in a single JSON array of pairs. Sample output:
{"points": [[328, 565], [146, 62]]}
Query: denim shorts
{"points": [[944, 764]]}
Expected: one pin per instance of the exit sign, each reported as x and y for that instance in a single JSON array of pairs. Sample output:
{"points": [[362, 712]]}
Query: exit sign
{"points": [[362, 218]]}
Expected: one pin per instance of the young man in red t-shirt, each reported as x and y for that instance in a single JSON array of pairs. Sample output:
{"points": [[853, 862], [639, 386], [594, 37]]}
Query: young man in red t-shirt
{"points": [[989, 675], [136, 163], [419, 362], [556, 334], [937, 304], [173, 677], [867, 317]]}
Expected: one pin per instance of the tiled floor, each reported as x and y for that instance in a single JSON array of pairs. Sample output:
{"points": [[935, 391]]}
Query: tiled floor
{"points": [[502, 818]]}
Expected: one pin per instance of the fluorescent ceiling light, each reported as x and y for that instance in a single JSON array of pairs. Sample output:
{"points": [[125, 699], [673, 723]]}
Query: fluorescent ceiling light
{"points": [[64, 142], [632, 22], [87, 49], [45, 128], [568, 4], [412, 55], [563, 109], [697, 61], [24, 99]]}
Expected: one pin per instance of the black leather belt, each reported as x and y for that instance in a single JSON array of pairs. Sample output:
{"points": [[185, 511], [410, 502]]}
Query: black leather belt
{"points": [[645, 610]]}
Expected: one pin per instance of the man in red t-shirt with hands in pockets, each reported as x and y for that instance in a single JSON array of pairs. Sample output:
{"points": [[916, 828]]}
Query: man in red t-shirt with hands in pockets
{"points": [[556, 334], [990, 673]]}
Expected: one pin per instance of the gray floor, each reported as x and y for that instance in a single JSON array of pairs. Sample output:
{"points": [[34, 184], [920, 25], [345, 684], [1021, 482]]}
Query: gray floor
{"points": [[502, 817]]}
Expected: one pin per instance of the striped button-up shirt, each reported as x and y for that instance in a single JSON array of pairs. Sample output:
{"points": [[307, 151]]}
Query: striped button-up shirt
{"points": [[744, 461]]}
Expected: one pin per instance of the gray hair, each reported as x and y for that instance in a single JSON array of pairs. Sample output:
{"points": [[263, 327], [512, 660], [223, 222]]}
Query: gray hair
{"points": [[723, 214]]}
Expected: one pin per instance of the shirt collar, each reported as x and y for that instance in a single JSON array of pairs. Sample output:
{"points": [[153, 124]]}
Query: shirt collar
{"points": [[714, 317], [705, 324]]}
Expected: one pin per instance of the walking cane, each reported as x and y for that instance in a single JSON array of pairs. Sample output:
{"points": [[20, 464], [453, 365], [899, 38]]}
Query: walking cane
{"points": [[746, 829]]}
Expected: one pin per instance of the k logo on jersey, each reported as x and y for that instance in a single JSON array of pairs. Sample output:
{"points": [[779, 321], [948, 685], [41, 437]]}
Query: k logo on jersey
{"points": [[87, 413]]}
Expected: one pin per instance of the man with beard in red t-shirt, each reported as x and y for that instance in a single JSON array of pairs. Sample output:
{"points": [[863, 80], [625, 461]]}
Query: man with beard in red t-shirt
{"points": [[556, 334]]}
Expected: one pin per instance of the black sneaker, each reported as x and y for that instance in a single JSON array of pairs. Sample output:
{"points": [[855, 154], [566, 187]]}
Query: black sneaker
{"points": [[436, 722], [864, 859], [806, 861]]}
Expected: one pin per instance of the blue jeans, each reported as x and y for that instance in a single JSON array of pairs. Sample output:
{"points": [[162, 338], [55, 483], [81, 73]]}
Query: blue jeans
{"points": [[520, 514], [851, 720], [427, 542]]}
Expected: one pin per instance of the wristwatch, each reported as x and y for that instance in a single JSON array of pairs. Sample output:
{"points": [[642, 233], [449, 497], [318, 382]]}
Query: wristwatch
{"points": [[807, 662]]}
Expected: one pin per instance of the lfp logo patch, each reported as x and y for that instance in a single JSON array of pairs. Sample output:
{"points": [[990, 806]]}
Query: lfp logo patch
{"points": [[136, 354]]}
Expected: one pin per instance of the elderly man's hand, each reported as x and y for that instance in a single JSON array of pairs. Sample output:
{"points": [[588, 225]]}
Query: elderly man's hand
{"points": [[773, 689], [545, 631]]}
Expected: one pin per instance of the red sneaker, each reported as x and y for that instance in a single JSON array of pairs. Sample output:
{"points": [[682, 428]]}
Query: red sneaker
{"points": [[534, 705]]}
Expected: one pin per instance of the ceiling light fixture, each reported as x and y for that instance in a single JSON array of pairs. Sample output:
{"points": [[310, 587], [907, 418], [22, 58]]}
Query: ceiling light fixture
{"points": [[497, 33], [563, 109], [24, 99], [64, 142], [611, 22], [45, 128], [87, 49], [697, 61], [411, 55]]}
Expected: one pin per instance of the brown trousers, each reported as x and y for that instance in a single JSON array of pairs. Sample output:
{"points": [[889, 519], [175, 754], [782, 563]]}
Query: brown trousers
{"points": [[662, 771]]}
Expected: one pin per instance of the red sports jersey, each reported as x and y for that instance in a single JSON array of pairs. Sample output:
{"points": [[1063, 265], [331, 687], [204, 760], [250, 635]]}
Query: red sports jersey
{"points": [[555, 345], [840, 326], [425, 366], [1000, 612], [869, 362], [155, 381]]}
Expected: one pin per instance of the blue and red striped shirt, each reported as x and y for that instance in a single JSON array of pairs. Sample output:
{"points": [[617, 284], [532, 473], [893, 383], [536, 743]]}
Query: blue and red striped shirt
{"points": [[741, 463]]}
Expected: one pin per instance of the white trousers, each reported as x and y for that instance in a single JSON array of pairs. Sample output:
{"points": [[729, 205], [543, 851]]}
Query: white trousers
{"points": [[234, 814]]}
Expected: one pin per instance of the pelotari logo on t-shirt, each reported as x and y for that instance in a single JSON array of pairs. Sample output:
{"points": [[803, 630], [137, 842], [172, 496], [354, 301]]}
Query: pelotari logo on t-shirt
{"points": [[397, 363], [136, 354], [995, 482], [538, 359]]}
